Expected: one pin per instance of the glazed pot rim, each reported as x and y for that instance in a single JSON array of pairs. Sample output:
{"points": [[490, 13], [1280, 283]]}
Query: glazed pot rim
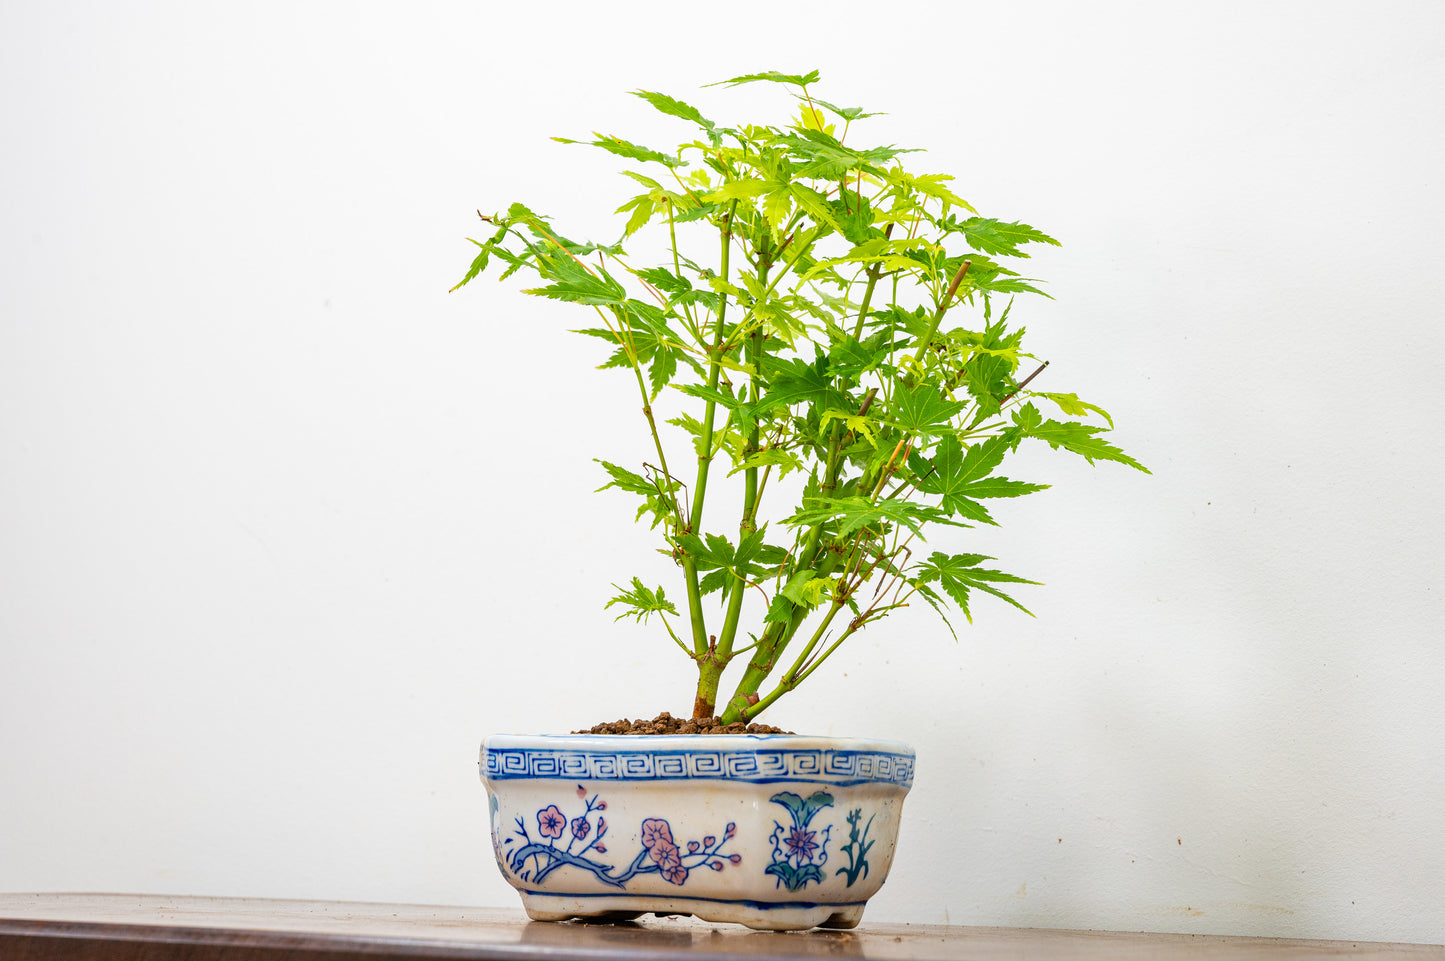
{"points": [[718, 742], [697, 758]]}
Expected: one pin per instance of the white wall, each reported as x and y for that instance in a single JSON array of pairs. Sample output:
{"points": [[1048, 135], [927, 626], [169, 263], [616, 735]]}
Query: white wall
{"points": [[285, 529]]}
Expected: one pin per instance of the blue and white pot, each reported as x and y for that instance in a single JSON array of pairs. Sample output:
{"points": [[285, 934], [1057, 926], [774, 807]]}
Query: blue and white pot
{"points": [[770, 831]]}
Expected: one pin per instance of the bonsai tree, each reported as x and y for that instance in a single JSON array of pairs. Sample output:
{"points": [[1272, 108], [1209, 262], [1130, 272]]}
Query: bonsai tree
{"points": [[832, 332]]}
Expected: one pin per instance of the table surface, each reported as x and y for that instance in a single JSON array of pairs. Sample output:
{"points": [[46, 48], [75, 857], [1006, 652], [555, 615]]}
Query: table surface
{"points": [[45, 927]]}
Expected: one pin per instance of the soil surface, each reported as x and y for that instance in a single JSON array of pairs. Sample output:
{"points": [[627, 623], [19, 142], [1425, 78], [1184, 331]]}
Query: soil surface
{"points": [[665, 723]]}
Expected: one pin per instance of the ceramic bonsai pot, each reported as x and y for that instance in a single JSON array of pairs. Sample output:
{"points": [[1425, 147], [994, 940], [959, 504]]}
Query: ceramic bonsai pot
{"points": [[772, 831]]}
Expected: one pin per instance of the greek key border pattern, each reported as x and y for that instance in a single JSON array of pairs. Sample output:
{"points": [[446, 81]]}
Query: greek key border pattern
{"points": [[821, 766]]}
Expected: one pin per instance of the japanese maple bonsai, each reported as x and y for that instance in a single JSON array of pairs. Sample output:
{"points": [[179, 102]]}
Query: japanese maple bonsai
{"points": [[821, 313]]}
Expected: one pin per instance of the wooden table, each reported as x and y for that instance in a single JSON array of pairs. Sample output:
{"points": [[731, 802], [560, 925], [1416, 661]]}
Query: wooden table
{"points": [[114, 927]]}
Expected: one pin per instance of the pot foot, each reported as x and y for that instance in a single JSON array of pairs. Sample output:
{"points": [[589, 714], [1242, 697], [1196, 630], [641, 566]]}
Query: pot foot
{"points": [[761, 916], [844, 919], [536, 914], [609, 917]]}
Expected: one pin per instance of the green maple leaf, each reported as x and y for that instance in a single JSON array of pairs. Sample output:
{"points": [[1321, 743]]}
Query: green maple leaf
{"points": [[1070, 404], [815, 204], [847, 113], [853, 513], [661, 371], [824, 158], [745, 189], [675, 108], [959, 574], [795, 381], [655, 497], [806, 588], [1081, 439], [959, 476], [576, 284], [715, 554], [851, 358], [923, 410], [993, 237], [644, 602], [772, 76], [627, 480], [985, 274], [625, 148]]}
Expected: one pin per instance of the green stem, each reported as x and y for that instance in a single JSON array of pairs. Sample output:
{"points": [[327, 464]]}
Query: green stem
{"points": [[748, 524], [673, 633], [776, 638], [677, 269], [867, 299], [778, 635], [943, 305], [709, 665], [704, 458], [792, 679], [700, 642], [770, 286], [689, 566]]}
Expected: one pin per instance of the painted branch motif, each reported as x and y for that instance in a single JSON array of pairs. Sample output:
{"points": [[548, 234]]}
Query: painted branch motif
{"points": [[534, 859]]}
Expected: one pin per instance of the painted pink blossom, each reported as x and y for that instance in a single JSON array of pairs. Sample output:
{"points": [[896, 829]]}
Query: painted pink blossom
{"points": [[709, 841], [600, 847], [715, 865], [661, 850], [692, 847], [669, 865], [735, 858], [655, 830], [550, 822], [580, 827], [581, 791]]}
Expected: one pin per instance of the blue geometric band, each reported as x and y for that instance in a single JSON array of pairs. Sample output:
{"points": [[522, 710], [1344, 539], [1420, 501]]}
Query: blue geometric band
{"points": [[759, 766]]}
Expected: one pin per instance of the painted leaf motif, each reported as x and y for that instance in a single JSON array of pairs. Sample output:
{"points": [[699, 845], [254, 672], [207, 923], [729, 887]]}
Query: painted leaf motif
{"points": [[784, 872], [806, 873], [802, 810]]}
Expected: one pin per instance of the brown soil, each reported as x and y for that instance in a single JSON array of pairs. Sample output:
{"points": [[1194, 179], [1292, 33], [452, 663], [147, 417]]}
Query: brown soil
{"points": [[665, 723]]}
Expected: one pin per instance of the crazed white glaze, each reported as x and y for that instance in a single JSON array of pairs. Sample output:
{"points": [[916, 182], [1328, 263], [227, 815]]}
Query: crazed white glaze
{"points": [[771, 831]]}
